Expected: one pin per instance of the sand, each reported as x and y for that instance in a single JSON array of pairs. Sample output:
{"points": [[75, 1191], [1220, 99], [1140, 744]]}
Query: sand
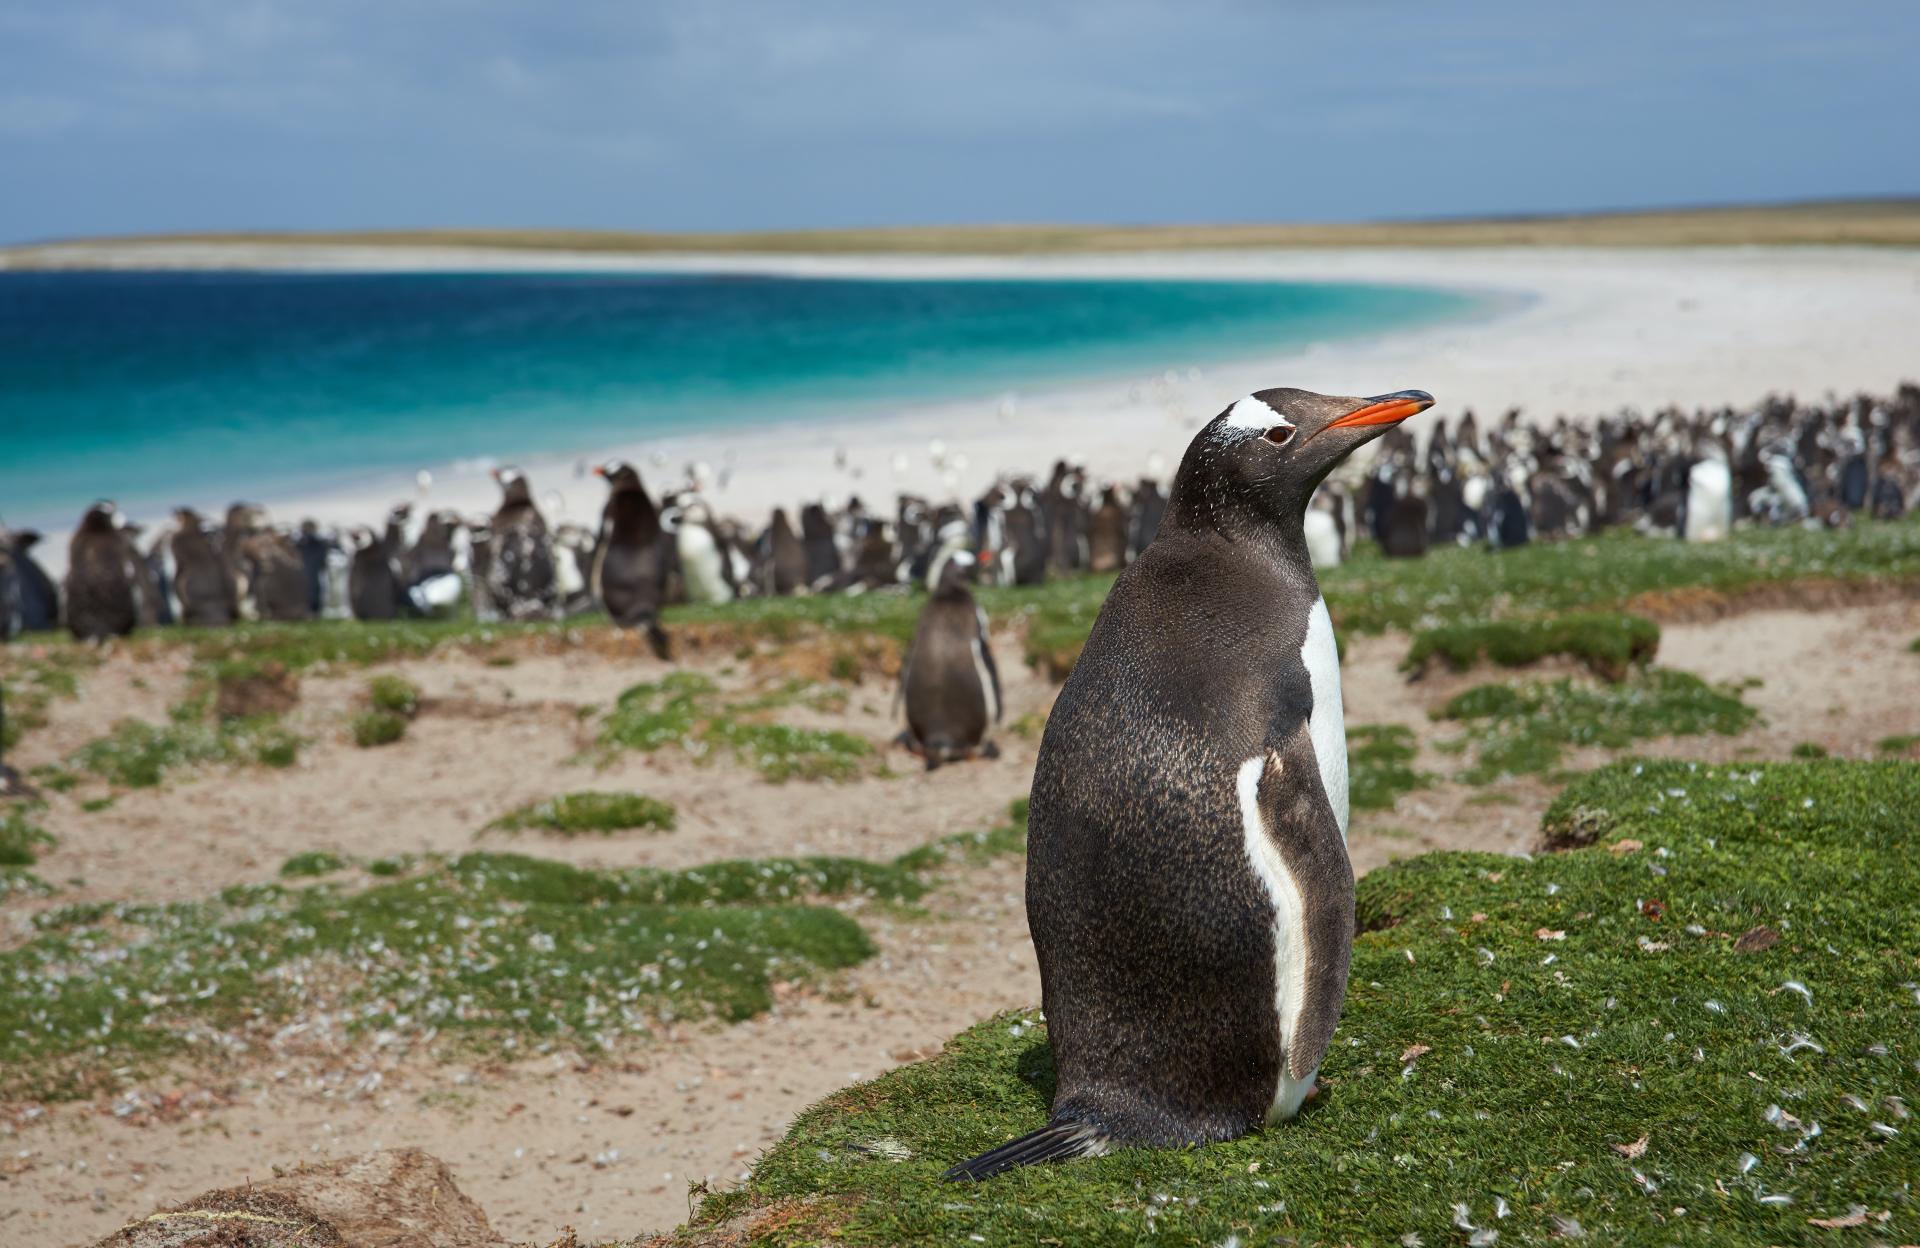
{"points": [[610, 1145], [1573, 331]]}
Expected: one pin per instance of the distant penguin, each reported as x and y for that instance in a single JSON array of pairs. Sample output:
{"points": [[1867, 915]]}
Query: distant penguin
{"points": [[202, 578], [314, 551], [276, 576], [949, 682], [1709, 514], [12, 620], [629, 576], [1403, 533], [573, 569], [1321, 527], [102, 601], [816, 534], [1149, 504], [39, 596], [520, 574], [373, 587], [703, 557], [1188, 886], [1107, 534], [1027, 539], [786, 556], [480, 570]]}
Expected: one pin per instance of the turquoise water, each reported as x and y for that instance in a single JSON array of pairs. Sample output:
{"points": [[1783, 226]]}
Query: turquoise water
{"points": [[161, 388]]}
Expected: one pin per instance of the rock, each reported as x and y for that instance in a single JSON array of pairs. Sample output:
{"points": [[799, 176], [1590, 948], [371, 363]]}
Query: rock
{"points": [[396, 1198]]}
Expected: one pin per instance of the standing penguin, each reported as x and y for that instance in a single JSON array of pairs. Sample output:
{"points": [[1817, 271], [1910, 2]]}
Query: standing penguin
{"points": [[520, 572], [949, 682], [1188, 886], [101, 599], [373, 587], [823, 554], [39, 597], [629, 573], [1107, 533], [786, 556], [202, 578]]}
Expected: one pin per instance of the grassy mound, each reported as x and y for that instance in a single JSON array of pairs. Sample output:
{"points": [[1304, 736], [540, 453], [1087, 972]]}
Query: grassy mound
{"points": [[394, 694], [1380, 765], [500, 952], [1522, 729], [685, 710], [371, 729], [574, 813], [1611, 643], [1700, 1028], [138, 755]]}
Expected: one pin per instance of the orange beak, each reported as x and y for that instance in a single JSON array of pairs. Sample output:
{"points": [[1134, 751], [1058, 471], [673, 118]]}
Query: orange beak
{"points": [[1386, 409], [599, 470]]}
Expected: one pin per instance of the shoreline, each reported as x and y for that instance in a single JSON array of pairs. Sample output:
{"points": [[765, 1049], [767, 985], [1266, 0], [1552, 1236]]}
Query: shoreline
{"points": [[1576, 331]]}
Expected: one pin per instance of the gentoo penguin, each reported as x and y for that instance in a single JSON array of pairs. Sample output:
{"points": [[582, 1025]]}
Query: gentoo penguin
{"points": [[1027, 536], [786, 556], [1149, 504], [373, 587], [1326, 543], [823, 553], [1403, 530], [149, 579], [276, 575], [705, 567], [101, 599], [202, 579], [949, 682], [315, 551], [520, 573], [629, 575], [1188, 887], [39, 596], [1709, 512], [1107, 534]]}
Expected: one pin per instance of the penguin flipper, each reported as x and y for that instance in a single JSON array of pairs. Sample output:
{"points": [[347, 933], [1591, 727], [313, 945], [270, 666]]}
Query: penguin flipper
{"points": [[1057, 1141]]}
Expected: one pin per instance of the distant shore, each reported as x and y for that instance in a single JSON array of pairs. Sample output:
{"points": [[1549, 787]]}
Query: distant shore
{"points": [[1881, 221], [1584, 331]]}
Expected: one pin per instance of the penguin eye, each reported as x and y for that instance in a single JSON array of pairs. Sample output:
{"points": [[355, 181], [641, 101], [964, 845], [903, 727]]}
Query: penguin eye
{"points": [[1279, 435]]}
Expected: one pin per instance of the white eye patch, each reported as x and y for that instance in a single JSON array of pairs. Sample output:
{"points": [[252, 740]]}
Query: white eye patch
{"points": [[1253, 414]]}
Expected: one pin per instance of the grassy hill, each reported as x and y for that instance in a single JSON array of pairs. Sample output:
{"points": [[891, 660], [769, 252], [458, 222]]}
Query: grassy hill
{"points": [[1887, 222], [1699, 1024]]}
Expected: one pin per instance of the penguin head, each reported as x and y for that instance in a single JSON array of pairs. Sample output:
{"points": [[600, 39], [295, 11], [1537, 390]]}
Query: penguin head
{"points": [[958, 571], [619, 475], [1259, 461], [513, 486]]}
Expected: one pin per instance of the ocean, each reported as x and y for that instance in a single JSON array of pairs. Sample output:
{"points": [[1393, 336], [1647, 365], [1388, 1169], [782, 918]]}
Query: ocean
{"points": [[156, 389]]}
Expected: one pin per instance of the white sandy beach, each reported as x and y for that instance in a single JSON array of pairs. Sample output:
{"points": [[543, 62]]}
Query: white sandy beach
{"points": [[1584, 331]]}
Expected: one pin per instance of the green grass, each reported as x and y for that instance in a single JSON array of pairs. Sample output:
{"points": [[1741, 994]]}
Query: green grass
{"points": [[376, 728], [32, 680], [1523, 729], [1899, 744], [21, 839], [1545, 1061], [1611, 643], [501, 953], [1809, 749], [1380, 765], [393, 694], [574, 813], [138, 755], [685, 710], [311, 863]]}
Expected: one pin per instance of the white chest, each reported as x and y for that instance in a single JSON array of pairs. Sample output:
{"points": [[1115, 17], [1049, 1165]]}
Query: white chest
{"points": [[1328, 724]]}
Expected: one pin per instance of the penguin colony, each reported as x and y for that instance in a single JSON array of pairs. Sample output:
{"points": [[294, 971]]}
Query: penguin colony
{"points": [[1498, 483]]}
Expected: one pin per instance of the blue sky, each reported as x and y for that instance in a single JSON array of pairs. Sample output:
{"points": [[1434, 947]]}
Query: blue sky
{"points": [[157, 115]]}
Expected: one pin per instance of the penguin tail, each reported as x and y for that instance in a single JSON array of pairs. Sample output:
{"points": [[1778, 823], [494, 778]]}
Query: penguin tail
{"points": [[1057, 1141]]}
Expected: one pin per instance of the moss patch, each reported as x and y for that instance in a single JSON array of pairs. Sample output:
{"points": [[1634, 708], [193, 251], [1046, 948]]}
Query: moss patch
{"points": [[1585, 1044], [574, 813], [1522, 729], [311, 863], [1610, 643], [685, 710], [139, 755], [1899, 744], [1380, 765], [32, 681], [376, 728], [393, 694]]}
